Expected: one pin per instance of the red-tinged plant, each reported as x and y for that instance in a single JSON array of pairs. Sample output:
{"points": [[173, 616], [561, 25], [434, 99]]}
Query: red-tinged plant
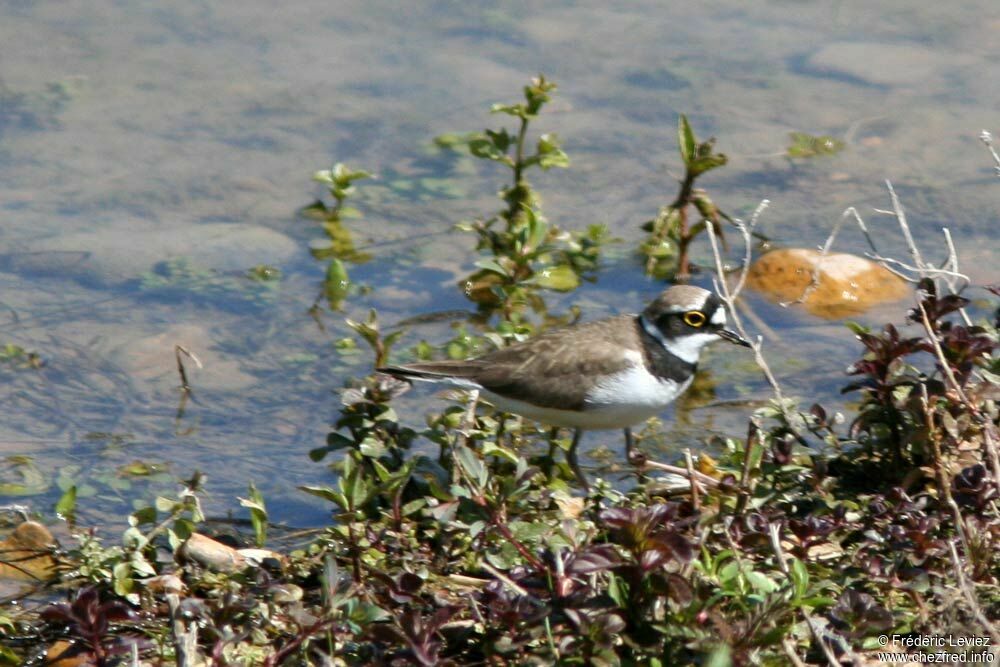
{"points": [[92, 622]]}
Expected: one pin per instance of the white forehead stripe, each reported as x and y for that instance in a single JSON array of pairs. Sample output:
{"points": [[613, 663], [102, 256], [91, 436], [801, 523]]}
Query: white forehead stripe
{"points": [[719, 317], [695, 302]]}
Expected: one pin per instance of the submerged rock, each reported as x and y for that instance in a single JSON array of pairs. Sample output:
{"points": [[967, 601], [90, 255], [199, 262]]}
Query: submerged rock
{"points": [[114, 252], [847, 284], [151, 359], [26, 554], [879, 64]]}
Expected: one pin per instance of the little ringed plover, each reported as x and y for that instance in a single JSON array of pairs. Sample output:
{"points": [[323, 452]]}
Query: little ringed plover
{"points": [[608, 374]]}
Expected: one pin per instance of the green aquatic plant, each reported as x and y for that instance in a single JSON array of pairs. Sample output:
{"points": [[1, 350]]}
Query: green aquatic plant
{"points": [[182, 278], [21, 476], [523, 250], [807, 145], [671, 232], [15, 356], [338, 248]]}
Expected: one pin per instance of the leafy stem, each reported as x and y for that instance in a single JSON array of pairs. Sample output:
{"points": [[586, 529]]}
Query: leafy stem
{"points": [[667, 249]]}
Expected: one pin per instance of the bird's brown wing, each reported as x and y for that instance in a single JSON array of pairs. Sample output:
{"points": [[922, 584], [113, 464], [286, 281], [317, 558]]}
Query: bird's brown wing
{"points": [[558, 368]]}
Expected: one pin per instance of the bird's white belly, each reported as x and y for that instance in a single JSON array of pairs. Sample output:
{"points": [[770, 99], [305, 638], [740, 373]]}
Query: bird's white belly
{"points": [[625, 399]]}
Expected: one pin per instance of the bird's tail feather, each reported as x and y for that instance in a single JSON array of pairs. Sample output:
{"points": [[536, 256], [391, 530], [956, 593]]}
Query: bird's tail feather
{"points": [[455, 372]]}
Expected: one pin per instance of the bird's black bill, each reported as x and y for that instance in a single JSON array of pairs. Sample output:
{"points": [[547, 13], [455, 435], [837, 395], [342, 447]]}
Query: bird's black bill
{"points": [[733, 337]]}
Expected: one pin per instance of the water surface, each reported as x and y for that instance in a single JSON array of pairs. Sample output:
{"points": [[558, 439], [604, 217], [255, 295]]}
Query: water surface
{"points": [[135, 133]]}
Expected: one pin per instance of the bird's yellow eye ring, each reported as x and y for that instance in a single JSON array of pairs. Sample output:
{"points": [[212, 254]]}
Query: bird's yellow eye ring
{"points": [[694, 318]]}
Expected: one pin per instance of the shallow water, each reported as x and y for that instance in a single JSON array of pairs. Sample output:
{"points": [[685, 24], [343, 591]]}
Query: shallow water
{"points": [[133, 133]]}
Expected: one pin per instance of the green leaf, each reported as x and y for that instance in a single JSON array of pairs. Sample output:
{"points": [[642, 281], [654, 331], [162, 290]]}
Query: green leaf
{"points": [[516, 110], [66, 506], [337, 284], [721, 656], [856, 328], [165, 505], [685, 140], [122, 576], [451, 140], [501, 139], [353, 485], [700, 165], [491, 448], [326, 493], [372, 447], [808, 145], [366, 613], [559, 278], [368, 329], [800, 577], [258, 514], [315, 211], [144, 515], [471, 466], [618, 591], [323, 176], [550, 154], [491, 265], [344, 175], [760, 582], [484, 147]]}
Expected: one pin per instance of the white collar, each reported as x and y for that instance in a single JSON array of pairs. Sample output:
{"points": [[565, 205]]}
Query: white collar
{"points": [[653, 331]]}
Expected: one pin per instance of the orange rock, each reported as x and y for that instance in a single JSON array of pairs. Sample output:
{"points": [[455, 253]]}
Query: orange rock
{"points": [[847, 284], [25, 554], [67, 654]]}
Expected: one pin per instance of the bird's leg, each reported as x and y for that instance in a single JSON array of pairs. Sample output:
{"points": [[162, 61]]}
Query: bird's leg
{"points": [[574, 465], [550, 458], [632, 455]]}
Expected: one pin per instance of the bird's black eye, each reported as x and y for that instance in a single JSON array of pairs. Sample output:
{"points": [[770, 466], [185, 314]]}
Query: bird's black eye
{"points": [[694, 318]]}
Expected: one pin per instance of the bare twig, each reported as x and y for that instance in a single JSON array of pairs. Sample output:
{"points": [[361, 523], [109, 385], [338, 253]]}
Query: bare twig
{"points": [[753, 438], [788, 646], [469, 418], [926, 271], [185, 639], [970, 597], [989, 428], [987, 139], [509, 583], [943, 476], [897, 208], [952, 263], [464, 428], [701, 477], [689, 464], [949, 271], [729, 296], [817, 632], [178, 351]]}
